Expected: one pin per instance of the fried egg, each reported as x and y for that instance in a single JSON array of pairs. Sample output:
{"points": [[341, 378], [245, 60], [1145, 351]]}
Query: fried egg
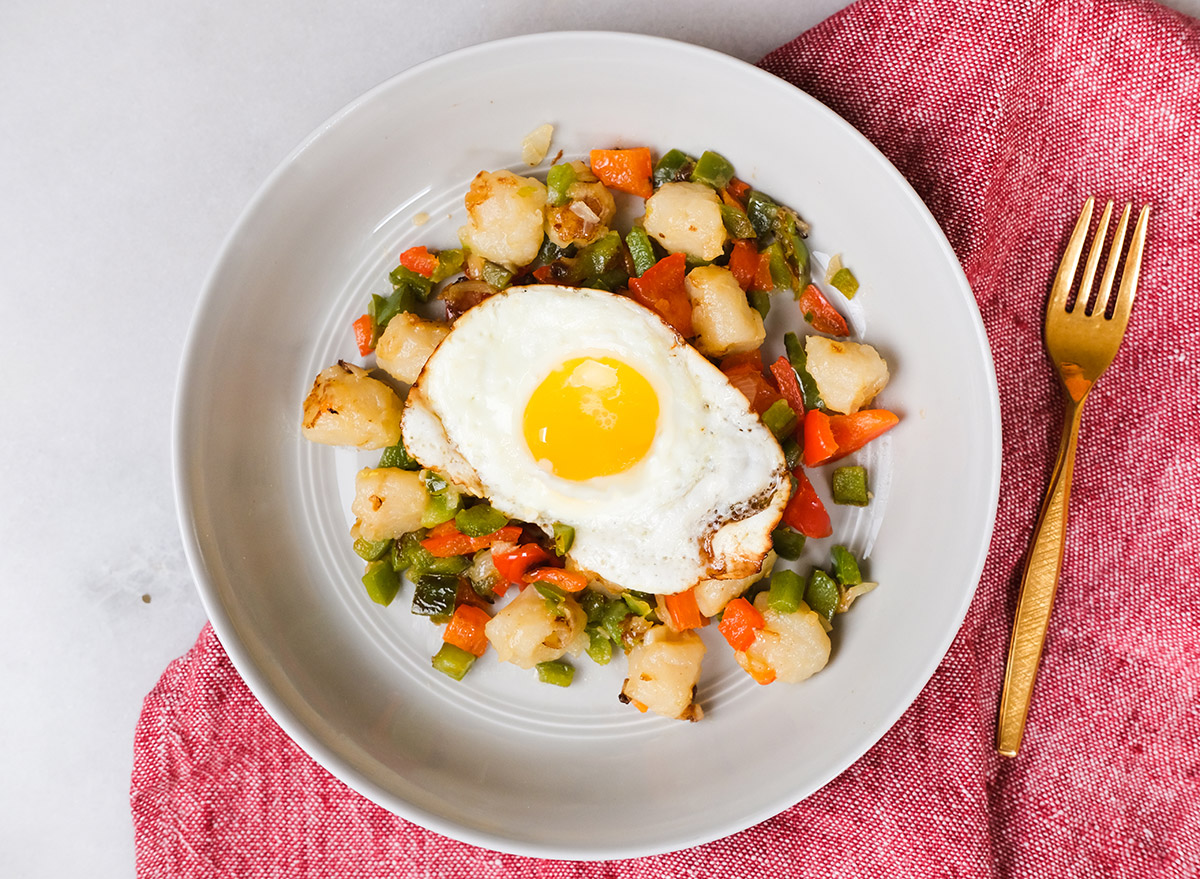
{"points": [[583, 407]]}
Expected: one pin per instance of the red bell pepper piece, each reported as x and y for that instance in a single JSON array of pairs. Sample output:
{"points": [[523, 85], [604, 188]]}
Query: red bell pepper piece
{"points": [[763, 280], [739, 189], [740, 622], [743, 262], [745, 372], [819, 443], [683, 610], [465, 629], [818, 311], [446, 540], [852, 432], [661, 288], [364, 333], [419, 260], [788, 384], [627, 170], [567, 581], [512, 564], [805, 512]]}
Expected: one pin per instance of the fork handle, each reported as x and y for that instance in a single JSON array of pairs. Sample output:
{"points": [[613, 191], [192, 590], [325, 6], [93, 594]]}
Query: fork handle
{"points": [[1038, 585]]}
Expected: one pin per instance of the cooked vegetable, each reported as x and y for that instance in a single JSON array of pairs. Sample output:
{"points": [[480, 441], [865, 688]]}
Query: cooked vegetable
{"points": [[397, 456], [419, 260], [536, 144], [453, 661], [682, 611], [743, 262], [805, 512], [674, 165], [480, 520], [364, 334], [346, 407], [443, 501], [844, 282], [556, 672], [745, 372], [819, 444], [641, 250], [848, 374], [740, 622], [382, 582], [850, 486], [406, 344], [525, 632], [434, 596], [505, 218], [564, 536], [723, 320], [388, 503], [712, 169], [466, 629], [787, 543], [663, 671], [662, 288], [789, 385], [786, 592], [584, 215], [852, 432], [799, 359], [446, 540], [822, 594], [370, 550], [818, 311], [686, 218], [627, 170], [567, 581], [513, 562], [780, 420], [845, 566]]}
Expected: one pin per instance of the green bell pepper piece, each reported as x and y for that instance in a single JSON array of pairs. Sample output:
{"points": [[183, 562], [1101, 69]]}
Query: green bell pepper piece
{"points": [[792, 452], [450, 263], [433, 596], [397, 456], [558, 183], [822, 594], [600, 648], [762, 211], [780, 419], [788, 544], [556, 672], [453, 661], [371, 550], [640, 248], [675, 165], [404, 278], [382, 582], [799, 360], [382, 309], [737, 224], [844, 282], [786, 592], [564, 536], [479, 520], [845, 567], [850, 486], [712, 169], [496, 275], [760, 301]]}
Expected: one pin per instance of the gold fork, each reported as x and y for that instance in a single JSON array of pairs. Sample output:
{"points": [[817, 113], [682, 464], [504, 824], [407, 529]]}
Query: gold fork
{"points": [[1081, 342]]}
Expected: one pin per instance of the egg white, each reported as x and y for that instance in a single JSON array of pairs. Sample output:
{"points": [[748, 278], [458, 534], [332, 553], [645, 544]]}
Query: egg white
{"points": [[701, 503]]}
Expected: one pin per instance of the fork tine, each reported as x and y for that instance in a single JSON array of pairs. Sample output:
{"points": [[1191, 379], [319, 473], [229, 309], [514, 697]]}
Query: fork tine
{"points": [[1070, 260], [1093, 260], [1110, 268], [1133, 268]]}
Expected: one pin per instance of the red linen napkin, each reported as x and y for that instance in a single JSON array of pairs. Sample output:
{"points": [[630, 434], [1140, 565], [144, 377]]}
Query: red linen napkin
{"points": [[1004, 116]]}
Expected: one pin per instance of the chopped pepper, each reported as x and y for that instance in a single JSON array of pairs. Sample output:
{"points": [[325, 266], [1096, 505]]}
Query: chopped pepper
{"points": [[850, 486], [740, 622], [627, 170], [818, 311], [805, 512], [661, 288]]}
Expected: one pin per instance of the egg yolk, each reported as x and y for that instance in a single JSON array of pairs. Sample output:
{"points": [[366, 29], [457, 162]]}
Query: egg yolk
{"points": [[592, 416]]}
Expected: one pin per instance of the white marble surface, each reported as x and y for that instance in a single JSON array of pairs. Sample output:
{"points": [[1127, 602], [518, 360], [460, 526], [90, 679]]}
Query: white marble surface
{"points": [[132, 133]]}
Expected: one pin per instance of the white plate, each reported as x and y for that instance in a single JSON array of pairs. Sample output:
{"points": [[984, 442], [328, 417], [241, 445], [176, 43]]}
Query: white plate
{"points": [[499, 760]]}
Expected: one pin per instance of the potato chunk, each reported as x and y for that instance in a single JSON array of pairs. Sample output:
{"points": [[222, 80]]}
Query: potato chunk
{"points": [[505, 214], [663, 671], [713, 595], [406, 344], [686, 217], [388, 502], [848, 374], [346, 407], [789, 648], [527, 631], [722, 318]]}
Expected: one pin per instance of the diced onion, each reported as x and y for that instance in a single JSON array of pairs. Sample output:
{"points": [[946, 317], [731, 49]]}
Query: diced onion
{"points": [[585, 213], [536, 144]]}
